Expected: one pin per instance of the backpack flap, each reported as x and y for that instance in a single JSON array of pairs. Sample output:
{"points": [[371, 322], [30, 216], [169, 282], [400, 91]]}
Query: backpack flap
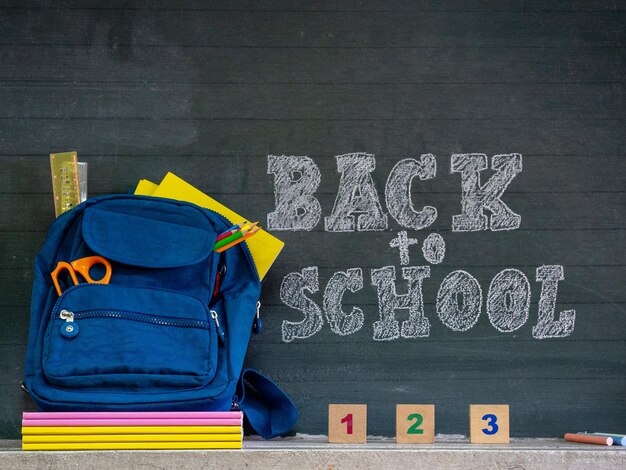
{"points": [[148, 241], [153, 244]]}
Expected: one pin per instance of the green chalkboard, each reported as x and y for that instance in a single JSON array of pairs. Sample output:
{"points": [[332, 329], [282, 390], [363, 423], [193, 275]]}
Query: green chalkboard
{"points": [[448, 179]]}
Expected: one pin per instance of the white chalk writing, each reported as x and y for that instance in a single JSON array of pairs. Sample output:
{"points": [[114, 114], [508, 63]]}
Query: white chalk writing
{"points": [[296, 179], [398, 192], [477, 198], [340, 322], [459, 300], [434, 248], [292, 294], [548, 327], [387, 328], [508, 300], [356, 194]]}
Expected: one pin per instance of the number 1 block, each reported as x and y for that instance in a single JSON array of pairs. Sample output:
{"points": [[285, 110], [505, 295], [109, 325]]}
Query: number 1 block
{"points": [[489, 424], [347, 424], [415, 424]]}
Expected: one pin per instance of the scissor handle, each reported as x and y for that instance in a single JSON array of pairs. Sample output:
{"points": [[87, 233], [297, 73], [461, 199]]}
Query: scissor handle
{"points": [[84, 265], [62, 265]]}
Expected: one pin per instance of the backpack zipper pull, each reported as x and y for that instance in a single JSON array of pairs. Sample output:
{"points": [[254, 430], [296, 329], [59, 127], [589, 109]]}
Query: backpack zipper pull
{"points": [[220, 332], [221, 272], [69, 329], [257, 324]]}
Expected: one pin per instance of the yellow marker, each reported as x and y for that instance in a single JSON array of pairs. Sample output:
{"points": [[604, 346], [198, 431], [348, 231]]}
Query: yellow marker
{"points": [[130, 445], [65, 185], [41, 430], [75, 438]]}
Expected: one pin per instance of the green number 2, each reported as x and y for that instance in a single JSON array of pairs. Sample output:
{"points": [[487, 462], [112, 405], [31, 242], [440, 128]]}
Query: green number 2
{"points": [[419, 419]]}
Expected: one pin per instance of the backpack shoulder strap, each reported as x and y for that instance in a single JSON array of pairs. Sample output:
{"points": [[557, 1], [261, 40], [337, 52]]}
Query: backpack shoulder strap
{"points": [[268, 409]]}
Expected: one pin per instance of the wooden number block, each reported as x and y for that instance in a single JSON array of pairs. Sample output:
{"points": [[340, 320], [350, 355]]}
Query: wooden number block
{"points": [[415, 424], [347, 424], [489, 424]]}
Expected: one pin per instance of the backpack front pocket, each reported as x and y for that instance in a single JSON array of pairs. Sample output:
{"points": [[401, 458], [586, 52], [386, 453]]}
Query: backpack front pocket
{"points": [[118, 337]]}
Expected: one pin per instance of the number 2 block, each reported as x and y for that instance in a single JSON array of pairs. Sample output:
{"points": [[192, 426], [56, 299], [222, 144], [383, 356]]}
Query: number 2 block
{"points": [[415, 424], [489, 424], [347, 424]]}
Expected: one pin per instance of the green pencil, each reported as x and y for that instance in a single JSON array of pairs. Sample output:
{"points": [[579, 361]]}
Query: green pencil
{"points": [[229, 239]]}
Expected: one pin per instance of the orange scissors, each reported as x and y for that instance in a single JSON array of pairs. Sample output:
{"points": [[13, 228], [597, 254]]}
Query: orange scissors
{"points": [[81, 266]]}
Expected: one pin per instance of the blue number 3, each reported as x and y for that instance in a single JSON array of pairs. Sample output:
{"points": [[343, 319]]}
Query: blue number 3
{"points": [[491, 422]]}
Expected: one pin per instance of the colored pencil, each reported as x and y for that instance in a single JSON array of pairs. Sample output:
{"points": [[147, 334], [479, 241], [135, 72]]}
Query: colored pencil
{"points": [[132, 415], [229, 239], [246, 236], [232, 238], [240, 227], [131, 422], [42, 430], [618, 439], [131, 445], [231, 230], [600, 440], [56, 438]]}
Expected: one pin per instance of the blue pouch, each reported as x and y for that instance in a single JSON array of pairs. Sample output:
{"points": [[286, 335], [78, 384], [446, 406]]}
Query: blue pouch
{"points": [[170, 330]]}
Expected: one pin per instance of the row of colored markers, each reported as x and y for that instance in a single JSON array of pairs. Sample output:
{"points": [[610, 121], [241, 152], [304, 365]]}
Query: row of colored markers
{"points": [[132, 430], [235, 235]]}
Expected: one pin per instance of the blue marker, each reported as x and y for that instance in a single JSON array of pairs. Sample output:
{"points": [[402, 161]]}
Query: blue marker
{"points": [[618, 439]]}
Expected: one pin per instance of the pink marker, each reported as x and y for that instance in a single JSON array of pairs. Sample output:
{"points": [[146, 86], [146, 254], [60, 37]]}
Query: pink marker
{"points": [[132, 422]]}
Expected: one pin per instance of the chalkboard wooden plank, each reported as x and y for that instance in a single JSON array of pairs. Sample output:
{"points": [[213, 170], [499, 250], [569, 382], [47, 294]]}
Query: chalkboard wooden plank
{"points": [[332, 5], [17, 250], [505, 359], [296, 137], [256, 28], [542, 173], [489, 64], [227, 101], [13, 331]]}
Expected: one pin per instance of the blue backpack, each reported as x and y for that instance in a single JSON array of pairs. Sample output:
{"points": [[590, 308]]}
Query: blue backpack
{"points": [[170, 330]]}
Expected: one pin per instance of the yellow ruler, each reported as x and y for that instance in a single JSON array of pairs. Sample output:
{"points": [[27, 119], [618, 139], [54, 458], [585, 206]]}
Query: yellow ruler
{"points": [[65, 186]]}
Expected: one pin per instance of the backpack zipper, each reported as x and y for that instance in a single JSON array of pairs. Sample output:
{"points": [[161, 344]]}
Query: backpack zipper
{"points": [[69, 329]]}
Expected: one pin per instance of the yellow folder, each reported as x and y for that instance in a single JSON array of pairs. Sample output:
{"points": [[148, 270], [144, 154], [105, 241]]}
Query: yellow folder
{"points": [[146, 188], [264, 247]]}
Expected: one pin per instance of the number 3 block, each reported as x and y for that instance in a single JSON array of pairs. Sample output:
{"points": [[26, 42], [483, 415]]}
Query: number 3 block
{"points": [[489, 424], [415, 424], [347, 424]]}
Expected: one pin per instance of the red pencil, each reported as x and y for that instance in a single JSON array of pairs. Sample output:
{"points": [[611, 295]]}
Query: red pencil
{"points": [[230, 231]]}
